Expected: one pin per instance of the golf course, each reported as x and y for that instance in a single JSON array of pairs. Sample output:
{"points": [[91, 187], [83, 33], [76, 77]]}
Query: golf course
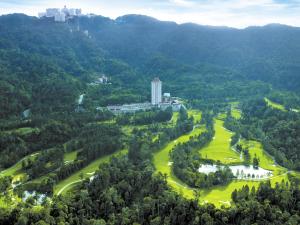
{"points": [[219, 149]]}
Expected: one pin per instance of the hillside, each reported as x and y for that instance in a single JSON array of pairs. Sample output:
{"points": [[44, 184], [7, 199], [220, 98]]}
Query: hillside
{"points": [[48, 64], [270, 53]]}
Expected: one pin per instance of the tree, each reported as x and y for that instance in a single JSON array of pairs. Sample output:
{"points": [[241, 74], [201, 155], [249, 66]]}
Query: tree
{"points": [[255, 162]]}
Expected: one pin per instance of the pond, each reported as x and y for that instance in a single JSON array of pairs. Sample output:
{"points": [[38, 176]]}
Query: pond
{"points": [[239, 171]]}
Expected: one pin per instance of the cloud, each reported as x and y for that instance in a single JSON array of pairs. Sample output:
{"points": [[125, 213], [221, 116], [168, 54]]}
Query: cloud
{"points": [[182, 3], [235, 13]]}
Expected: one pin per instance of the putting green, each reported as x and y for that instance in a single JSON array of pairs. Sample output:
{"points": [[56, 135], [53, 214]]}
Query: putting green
{"points": [[219, 148], [88, 171]]}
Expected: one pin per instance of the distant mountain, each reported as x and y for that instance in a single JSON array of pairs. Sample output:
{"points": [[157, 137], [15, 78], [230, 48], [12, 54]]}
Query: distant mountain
{"points": [[270, 53]]}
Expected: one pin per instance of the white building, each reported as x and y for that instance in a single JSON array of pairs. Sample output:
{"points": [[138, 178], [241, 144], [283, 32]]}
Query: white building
{"points": [[156, 91], [60, 15], [52, 12]]}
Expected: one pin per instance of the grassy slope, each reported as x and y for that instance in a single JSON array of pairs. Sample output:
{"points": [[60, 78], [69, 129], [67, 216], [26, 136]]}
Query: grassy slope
{"points": [[219, 148], [87, 172]]}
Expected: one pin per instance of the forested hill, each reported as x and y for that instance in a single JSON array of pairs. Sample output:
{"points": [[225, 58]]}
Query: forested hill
{"points": [[270, 53], [45, 65]]}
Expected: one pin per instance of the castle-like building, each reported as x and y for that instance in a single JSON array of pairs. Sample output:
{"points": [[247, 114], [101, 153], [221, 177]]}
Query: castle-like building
{"points": [[60, 15]]}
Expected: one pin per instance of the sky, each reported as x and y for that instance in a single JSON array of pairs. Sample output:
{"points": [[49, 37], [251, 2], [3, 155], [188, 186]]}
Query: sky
{"points": [[232, 13]]}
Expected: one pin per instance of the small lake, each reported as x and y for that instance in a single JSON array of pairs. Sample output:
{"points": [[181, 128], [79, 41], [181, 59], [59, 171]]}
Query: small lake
{"points": [[239, 171]]}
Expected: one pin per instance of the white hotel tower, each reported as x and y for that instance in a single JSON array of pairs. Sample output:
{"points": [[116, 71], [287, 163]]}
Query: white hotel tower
{"points": [[155, 91]]}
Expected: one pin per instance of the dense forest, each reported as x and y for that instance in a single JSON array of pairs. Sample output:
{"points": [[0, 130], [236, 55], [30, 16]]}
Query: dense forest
{"points": [[128, 193]]}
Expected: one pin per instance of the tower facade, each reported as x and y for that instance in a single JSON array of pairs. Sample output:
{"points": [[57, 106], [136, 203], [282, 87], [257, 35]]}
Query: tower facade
{"points": [[156, 91]]}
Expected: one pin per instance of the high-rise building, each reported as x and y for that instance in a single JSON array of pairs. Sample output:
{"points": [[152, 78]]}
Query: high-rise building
{"points": [[156, 91]]}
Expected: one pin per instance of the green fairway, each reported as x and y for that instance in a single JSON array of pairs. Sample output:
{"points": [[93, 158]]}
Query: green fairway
{"points": [[161, 158], [219, 148], [16, 170], [275, 105], [88, 171], [163, 165]]}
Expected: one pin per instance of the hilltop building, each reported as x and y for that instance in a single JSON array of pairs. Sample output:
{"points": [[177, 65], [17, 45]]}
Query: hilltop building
{"points": [[156, 91], [60, 15]]}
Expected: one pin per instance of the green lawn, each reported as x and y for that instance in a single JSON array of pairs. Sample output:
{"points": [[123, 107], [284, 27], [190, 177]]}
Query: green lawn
{"points": [[88, 171], [275, 105], [219, 148]]}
